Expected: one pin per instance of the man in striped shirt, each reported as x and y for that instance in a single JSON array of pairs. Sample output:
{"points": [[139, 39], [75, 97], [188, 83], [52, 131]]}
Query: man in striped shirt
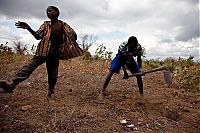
{"points": [[58, 41], [125, 57]]}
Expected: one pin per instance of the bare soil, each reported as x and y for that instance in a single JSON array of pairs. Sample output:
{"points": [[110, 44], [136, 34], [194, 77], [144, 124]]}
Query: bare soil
{"points": [[76, 108]]}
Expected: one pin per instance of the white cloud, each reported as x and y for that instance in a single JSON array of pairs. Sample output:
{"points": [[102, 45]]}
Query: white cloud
{"points": [[175, 49]]}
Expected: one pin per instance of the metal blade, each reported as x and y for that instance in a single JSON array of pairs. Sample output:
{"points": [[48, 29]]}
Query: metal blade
{"points": [[167, 77]]}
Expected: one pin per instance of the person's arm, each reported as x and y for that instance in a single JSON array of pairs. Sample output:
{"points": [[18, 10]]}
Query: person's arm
{"points": [[122, 51], [139, 57], [139, 61], [24, 25], [125, 72]]}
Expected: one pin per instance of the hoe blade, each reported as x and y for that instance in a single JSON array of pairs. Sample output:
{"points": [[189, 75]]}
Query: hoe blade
{"points": [[167, 77]]}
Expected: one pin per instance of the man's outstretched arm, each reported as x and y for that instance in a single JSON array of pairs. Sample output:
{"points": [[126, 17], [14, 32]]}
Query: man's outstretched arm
{"points": [[24, 25]]}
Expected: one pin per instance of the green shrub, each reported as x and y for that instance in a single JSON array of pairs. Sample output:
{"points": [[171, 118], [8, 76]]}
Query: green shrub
{"points": [[102, 54], [151, 64], [186, 73]]}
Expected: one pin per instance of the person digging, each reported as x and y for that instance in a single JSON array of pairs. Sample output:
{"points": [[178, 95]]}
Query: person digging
{"points": [[125, 58]]}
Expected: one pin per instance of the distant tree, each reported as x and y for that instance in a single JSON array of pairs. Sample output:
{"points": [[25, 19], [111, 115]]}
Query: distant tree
{"points": [[19, 47], [102, 54], [86, 41]]}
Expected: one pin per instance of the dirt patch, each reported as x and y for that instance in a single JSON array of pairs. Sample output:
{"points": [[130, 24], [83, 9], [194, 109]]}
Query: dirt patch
{"points": [[75, 107]]}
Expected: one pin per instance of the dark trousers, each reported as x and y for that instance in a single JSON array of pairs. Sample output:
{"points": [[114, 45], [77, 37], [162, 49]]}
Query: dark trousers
{"points": [[52, 64]]}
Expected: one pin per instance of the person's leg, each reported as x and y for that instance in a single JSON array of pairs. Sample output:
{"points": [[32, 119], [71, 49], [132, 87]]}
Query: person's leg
{"points": [[22, 74], [134, 68], [115, 67], [27, 70], [106, 82], [52, 65], [140, 84]]}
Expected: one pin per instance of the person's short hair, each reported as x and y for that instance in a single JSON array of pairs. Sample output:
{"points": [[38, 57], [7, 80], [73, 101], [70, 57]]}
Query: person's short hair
{"points": [[55, 9], [132, 39]]}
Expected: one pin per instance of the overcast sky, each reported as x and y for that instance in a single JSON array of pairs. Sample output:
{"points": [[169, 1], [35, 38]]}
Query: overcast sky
{"points": [[165, 28]]}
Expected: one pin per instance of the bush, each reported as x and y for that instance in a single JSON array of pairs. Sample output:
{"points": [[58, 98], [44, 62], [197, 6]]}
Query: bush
{"points": [[6, 54], [86, 55], [186, 73], [151, 64], [102, 54]]}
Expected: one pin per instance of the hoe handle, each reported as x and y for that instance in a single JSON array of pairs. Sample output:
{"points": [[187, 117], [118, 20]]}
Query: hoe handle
{"points": [[150, 71]]}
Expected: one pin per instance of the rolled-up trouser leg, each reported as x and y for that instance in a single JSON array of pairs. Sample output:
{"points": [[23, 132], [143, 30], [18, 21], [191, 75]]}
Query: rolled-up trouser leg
{"points": [[52, 65], [140, 84], [26, 70]]}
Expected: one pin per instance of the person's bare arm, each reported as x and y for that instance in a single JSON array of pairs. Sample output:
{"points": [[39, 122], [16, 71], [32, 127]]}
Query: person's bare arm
{"points": [[24, 25], [139, 61]]}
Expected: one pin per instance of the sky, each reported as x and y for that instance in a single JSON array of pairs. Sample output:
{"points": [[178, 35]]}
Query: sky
{"points": [[164, 28]]}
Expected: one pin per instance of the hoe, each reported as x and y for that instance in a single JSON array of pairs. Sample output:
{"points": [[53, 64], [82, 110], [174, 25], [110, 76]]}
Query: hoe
{"points": [[166, 74]]}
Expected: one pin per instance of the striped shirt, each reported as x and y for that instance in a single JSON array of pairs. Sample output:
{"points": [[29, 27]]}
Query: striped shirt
{"points": [[68, 49], [123, 49]]}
